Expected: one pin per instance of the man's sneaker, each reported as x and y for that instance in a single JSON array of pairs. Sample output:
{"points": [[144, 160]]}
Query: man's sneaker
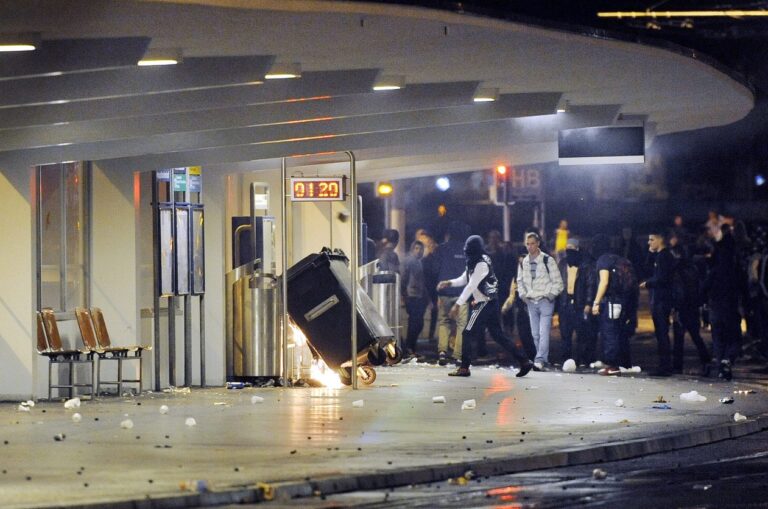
{"points": [[442, 359], [538, 366], [460, 372], [725, 372], [524, 369], [609, 371]]}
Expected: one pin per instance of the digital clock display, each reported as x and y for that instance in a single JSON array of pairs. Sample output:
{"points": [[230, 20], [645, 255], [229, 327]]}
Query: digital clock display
{"points": [[317, 189]]}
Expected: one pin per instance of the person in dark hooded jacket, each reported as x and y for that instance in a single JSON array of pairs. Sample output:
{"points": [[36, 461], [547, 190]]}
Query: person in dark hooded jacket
{"points": [[481, 290]]}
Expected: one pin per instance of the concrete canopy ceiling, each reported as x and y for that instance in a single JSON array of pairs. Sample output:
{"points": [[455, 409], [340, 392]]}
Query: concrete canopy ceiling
{"points": [[70, 100]]}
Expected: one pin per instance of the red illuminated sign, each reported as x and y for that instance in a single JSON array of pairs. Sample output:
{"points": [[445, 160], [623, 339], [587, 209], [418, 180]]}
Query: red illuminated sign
{"points": [[317, 189]]}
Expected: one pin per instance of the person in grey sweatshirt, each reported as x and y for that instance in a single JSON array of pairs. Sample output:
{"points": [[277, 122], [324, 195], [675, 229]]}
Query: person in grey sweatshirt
{"points": [[538, 284]]}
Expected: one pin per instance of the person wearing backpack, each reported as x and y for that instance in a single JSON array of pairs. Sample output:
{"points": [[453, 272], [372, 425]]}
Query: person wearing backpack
{"points": [[662, 298], [615, 303], [538, 284], [575, 306]]}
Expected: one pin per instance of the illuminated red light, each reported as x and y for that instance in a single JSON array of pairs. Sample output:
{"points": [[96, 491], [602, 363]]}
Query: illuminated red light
{"points": [[501, 170]]}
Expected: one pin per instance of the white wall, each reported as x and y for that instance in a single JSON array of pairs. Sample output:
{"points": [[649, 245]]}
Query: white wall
{"points": [[18, 332]]}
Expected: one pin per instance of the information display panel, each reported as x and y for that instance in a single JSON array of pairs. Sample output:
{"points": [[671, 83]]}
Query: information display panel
{"points": [[317, 189]]}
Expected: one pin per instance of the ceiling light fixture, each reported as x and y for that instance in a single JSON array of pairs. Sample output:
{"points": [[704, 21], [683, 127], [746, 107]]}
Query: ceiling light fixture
{"points": [[160, 56], [284, 71], [389, 82], [486, 95], [19, 42], [731, 13]]}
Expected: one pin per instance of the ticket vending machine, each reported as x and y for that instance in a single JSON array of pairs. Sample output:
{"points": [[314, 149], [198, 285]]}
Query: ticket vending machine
{"points": [[254, 352]]}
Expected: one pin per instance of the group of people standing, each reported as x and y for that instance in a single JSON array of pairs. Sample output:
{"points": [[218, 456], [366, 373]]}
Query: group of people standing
{"points": [[476, 287]]}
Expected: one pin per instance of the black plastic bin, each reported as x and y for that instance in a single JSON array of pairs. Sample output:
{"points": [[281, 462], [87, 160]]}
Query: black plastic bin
{"points": [[319, 303]]}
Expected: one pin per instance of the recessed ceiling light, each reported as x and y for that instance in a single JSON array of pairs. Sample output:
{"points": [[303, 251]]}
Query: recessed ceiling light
{"points": [[10, 43], [283, 71], [160, 56], [389, 82], [486, 95]]}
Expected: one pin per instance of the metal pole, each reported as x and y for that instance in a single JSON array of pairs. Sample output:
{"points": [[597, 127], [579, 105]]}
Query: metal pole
{"points": [[171, 341], [202, 340], [284, 261], [187, 340], [353, 261], [156, 277]]}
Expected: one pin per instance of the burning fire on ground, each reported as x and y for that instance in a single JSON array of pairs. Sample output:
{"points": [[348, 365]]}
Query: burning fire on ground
{"points": [[319, 372]]}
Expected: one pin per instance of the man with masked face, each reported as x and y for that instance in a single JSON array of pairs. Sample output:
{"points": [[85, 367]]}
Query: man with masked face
{"points": [[481, 290], [580, 281]]}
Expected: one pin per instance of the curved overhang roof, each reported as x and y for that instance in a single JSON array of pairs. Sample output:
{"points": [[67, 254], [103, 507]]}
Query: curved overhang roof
{"points": [[74, 100]]}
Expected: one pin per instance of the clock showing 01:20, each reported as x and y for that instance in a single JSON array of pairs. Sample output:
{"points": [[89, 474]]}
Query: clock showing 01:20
{"points": [[317, 189]]}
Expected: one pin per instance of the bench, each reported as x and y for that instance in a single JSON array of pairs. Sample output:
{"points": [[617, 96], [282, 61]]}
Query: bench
{"points": [[49, 345]]}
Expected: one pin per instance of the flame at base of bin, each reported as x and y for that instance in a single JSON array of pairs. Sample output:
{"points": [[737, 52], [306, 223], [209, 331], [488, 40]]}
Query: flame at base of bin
{"points": [[319, 371]]}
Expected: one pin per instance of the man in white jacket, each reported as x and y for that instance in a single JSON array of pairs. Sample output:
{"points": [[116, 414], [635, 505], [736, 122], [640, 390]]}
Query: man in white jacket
{"points": [[539, 283]]}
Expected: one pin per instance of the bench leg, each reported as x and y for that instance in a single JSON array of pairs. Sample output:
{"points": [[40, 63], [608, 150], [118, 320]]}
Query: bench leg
{"points": [[71, 379], [50, 380], [97, 369], [119, 377]]}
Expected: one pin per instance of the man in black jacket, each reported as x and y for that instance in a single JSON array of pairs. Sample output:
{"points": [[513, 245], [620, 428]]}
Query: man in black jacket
{"points": [[580, 281], [661, 289]]}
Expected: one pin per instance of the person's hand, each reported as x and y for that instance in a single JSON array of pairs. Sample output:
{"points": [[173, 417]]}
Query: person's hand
{"points": [[507, 304], [443, 284], [453, 314], [596, 308], [588, 309], [643, 284]]}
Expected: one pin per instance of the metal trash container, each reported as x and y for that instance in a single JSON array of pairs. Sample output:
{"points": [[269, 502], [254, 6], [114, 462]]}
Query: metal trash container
{"points": [[385, 293], [254, 347]]}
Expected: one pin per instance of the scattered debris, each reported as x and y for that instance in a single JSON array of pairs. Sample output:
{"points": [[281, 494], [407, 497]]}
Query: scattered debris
{"points": [[624, 421], [599, 474], [596, 365], [178, 390], [126, 424], [692, 397], [469, 404], [358, 403], [619, 402], [29, 403], [633, 369], [58, 437], [746, 391], [23, 408], [255, 400], [220, 403], [702, 487], [461, 481], [164, 409], [726, 400], [662, 407], [438, 399], [72, 403], [569, 366], [738, 417], [76, 417], [190, 422], [200, 486], [469, 475], [660, 399], [238, 385]]}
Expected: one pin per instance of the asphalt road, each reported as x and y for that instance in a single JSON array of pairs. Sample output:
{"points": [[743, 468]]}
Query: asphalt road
{"points": [[728, 474]]}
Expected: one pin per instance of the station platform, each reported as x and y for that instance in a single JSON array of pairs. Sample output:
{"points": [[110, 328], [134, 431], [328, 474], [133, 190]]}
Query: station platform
{"points": [[313, 441]]}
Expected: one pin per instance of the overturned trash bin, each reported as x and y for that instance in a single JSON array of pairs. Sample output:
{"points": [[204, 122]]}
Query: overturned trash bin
{"points": [[319, 303]]}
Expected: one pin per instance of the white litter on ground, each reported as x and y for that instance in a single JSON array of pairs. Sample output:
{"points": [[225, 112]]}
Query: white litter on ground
{"points": [[126, 424], [255, 400], [164, 409], [220, 403], [190, 422], [738, 417], [633, 369], [76, 417], [29, 403], [358, 403], [178, 390], [569, 366], [438, 399], [597, 365], [619, 402], [469, 404], [72, 403], [692, 397], [599, 474], [23, 408]]}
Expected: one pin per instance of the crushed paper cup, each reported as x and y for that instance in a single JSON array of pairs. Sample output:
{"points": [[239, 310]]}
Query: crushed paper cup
{"points": [[599, 474], [126, 424], [358, 403], [190, 422], [619, 402], [692, 397], [255, 400], [738, 417], [164, 409], [23, 408], [438, 399], [469, 404], [569, 366], [76, 417], [72, 403]]}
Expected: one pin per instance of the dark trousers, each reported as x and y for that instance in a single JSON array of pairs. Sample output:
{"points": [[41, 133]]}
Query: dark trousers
{"points": [[482, 316], [660, 312], [573, 321], [517, 315], [686, 319], [415, 307], [726, 332], [615, 340]]}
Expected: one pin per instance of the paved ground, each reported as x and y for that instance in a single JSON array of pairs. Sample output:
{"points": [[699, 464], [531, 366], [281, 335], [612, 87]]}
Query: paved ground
{"points": [[302, 440]]}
